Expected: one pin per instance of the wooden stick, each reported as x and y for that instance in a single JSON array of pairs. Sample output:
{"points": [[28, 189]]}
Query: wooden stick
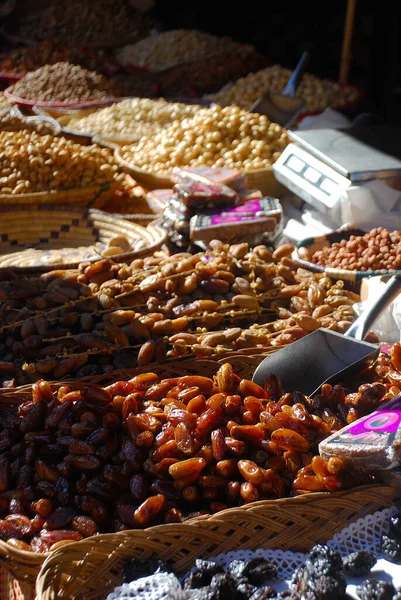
{"points": [[347, 41]]}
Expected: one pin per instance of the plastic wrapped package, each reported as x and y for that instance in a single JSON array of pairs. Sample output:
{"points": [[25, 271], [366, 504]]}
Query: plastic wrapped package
{"points": [[197, 194], [369, 443], [231, 228], [229, 177]]}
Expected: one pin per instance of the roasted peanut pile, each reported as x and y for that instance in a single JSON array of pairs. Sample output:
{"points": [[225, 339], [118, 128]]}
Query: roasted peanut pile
{"points": [[317, 93], [63, 82], [108, 315], [377, 250], [164, 50], [4, 102], [134, 117], [28, 58], [215, 137], [84, 22], [30, 162], [146, 451]]}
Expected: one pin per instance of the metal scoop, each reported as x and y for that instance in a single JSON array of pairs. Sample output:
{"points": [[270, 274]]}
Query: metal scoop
{"points": [[325, 356], [285, 107]]}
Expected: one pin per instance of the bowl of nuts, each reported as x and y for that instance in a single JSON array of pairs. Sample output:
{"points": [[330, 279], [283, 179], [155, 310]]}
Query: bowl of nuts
{"points": [[352, 254], [218, 137]]}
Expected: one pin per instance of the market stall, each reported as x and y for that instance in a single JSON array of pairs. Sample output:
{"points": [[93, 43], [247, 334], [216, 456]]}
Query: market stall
{"points": [[155, 248]]}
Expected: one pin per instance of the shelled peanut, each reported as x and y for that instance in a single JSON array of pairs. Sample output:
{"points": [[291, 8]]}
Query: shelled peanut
{"points": [[30, 162], [317, 93], [146, 451], [107, 315], [216, 137]]}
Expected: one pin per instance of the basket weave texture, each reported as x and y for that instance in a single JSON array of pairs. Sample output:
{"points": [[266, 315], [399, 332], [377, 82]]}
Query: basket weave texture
{"points": [[90, 569], [95, 196], [52, 228]]}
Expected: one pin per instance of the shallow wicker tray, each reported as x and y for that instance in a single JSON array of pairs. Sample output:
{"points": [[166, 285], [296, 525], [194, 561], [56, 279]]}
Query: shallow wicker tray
{"points": [[52, 228], [352, 278], [260, 179], [90, 569]]}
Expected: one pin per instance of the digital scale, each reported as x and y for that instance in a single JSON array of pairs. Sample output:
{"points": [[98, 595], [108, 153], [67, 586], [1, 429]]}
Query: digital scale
{"points": [[320, 164]]}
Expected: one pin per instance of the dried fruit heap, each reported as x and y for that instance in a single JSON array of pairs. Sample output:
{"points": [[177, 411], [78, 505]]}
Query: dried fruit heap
{"points": [[149, 451], [108, 315]]}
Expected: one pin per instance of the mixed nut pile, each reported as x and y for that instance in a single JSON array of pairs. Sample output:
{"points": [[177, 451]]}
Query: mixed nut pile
{"points": [[317, 93], [108, 315], [64, 82], [30, 162], [215, 137]]}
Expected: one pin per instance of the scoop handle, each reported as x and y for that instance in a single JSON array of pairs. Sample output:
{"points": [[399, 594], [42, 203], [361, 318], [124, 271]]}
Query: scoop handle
{"points": [[360, 328], [295, 78]]}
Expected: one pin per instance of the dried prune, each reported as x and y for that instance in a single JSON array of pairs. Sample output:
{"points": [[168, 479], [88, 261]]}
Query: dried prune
{"points": [[375, 589], [359, 563], [259, 570], [391, 548]]}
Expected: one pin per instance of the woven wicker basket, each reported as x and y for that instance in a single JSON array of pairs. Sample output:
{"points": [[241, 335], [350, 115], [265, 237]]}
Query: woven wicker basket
{"points": [[90, 569], [46, 230], [94, 196], [146, 178]]}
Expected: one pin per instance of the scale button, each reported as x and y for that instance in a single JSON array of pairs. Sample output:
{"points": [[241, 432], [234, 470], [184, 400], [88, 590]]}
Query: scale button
{"points": [[329, 186], [312, 175], [295, 164]]}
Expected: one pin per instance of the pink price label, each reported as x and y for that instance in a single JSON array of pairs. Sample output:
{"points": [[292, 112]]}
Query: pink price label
{"points": [[252, 206], [221, 219], [381, 421]]}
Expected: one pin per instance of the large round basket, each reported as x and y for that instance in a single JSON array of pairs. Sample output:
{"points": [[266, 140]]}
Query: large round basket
{"points": [[39, 238], [90, 569], [352, 279], [148, 179]]}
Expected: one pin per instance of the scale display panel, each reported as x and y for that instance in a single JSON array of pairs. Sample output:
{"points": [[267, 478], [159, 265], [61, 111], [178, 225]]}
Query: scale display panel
{"points": [[320, 164]]}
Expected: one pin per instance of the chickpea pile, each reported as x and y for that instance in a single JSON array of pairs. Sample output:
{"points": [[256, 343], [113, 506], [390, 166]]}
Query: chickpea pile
{"points": [[318, 93], [63, 82], [30, 162], [216, 137], [159, 52], [377, 250], [134, 117]]}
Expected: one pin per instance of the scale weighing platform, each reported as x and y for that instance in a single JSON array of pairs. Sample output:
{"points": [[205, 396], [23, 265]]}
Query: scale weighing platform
{"points": [[320, 164]]}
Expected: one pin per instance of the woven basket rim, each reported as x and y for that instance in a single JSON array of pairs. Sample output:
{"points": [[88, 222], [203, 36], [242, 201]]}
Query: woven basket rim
{"points": [[346, 274], [154, 234], [54, 567], [48, 104], [164, 180], [53, 193], [224, 515]]}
